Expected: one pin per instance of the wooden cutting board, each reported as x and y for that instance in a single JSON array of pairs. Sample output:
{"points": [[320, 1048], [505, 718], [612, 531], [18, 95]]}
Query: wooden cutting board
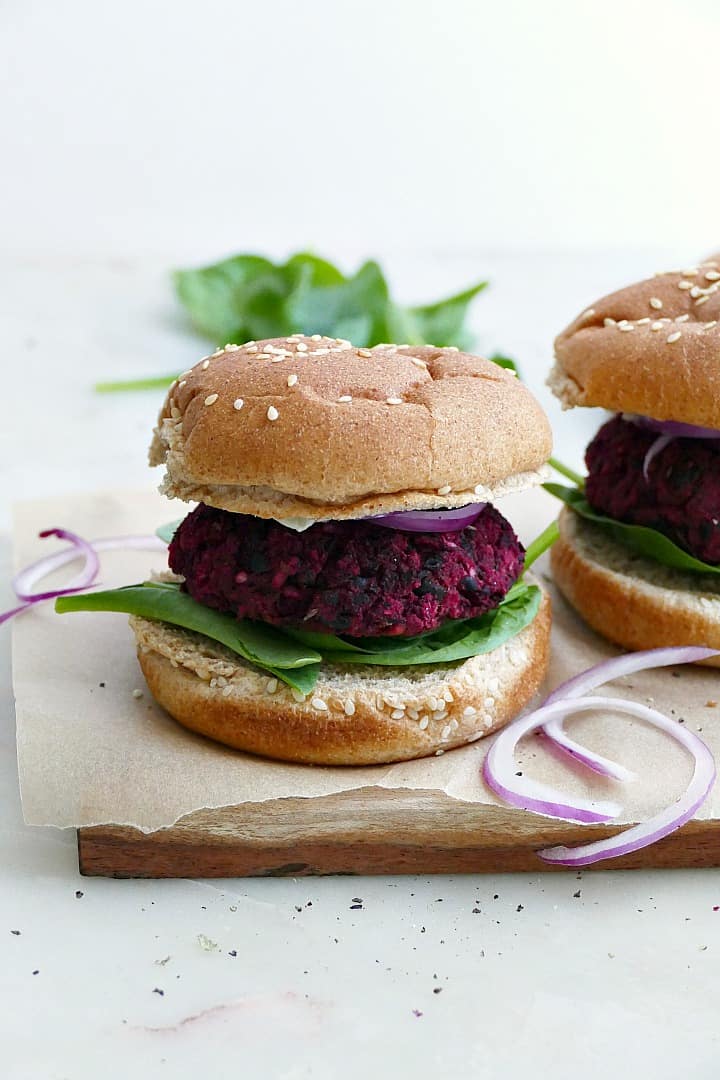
{"points": [[367, 831]]}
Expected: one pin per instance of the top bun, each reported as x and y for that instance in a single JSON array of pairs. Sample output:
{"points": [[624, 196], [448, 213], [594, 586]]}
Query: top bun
{"points": [[314, 427], [652, 348]]}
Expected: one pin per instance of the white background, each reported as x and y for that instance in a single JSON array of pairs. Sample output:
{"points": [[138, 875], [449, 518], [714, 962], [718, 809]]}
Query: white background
{"points": [[562, 149], [419, 125]]}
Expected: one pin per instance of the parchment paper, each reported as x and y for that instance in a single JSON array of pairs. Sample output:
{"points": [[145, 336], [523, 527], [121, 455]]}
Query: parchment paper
{"points": [[91, 752]]}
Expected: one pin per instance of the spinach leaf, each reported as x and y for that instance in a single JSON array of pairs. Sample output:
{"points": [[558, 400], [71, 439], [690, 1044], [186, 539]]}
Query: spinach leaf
{"points": [[456, 640], [262, 645], [639, 538]]}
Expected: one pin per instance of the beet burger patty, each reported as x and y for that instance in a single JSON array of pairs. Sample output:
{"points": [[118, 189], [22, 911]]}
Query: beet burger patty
{"points": [[345, 577]]}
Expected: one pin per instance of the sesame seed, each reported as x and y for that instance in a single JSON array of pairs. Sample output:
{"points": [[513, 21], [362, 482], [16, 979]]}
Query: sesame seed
{"points": [[251, 348], [238, 404], [397, 714], [316, 337], [625, 326], [673, 337], [318, 703], [423, 723], [681, 318], [227, 690], [469, 711], [696, 291], [444, 490], [709, 325], [297, 694], [211, 399], [588, 314], [656, 302], [272, 413], [489, 702], [301, 346], [183, 382], [642, 322], [394, 401], [478, 489], [137, 693], [349, 707], [364, 352], [292, 379], [608, 322], [657, 326], [685, 284], [445, 733], [701, 300], [418, 362], [205, 365], [231, 347], [439, 753], [345, 397], [248, 344], [712, 275], [271, 686]]}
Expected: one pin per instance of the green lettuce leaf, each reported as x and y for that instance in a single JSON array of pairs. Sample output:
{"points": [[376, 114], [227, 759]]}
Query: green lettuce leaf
{"points": [[456, 640], [639, 538], [268, 648]]}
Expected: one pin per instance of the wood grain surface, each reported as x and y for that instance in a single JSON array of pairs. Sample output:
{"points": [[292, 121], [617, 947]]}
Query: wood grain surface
{"points": [[366, 831]]}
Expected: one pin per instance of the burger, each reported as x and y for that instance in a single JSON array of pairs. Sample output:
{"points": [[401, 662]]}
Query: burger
{"points": [[639, 549], [344, 591]]}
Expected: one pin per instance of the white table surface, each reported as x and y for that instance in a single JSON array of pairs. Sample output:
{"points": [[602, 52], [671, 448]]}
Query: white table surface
{"points": [[567, 975]]}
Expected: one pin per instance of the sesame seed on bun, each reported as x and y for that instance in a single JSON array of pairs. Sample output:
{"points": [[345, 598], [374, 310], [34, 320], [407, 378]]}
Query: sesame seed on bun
{"points": [[652, 348], [314, 427]]}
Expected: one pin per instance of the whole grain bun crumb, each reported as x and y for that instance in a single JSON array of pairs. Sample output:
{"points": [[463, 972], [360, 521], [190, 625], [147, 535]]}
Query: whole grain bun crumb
{"points": [[652, 348], [633, 601], [356, 715], [313, 427]]}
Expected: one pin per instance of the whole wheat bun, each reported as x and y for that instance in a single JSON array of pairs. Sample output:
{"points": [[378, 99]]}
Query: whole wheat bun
{"points": [[652, 348], [356, 715], [313, 427], [633, 601]]}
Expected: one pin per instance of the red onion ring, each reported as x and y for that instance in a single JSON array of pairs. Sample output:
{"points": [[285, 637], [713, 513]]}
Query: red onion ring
{"points": [[435, 521], [29, 575], [500, 770], [656, 447], [25, 579], [674, 428], [660, 825], [607, 671]]}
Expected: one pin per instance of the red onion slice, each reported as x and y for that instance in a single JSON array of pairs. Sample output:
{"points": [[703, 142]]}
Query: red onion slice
{"points": [[607, 671], [657, 447], [80, 548], [662, 824], [26, 578], [500, 770], [5, 615], [674, 428], [435, 521]]}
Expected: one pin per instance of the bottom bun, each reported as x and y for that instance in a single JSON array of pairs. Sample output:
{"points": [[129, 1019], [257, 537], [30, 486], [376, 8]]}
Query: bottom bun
{"points": [[355, 715], [631, 600]]}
